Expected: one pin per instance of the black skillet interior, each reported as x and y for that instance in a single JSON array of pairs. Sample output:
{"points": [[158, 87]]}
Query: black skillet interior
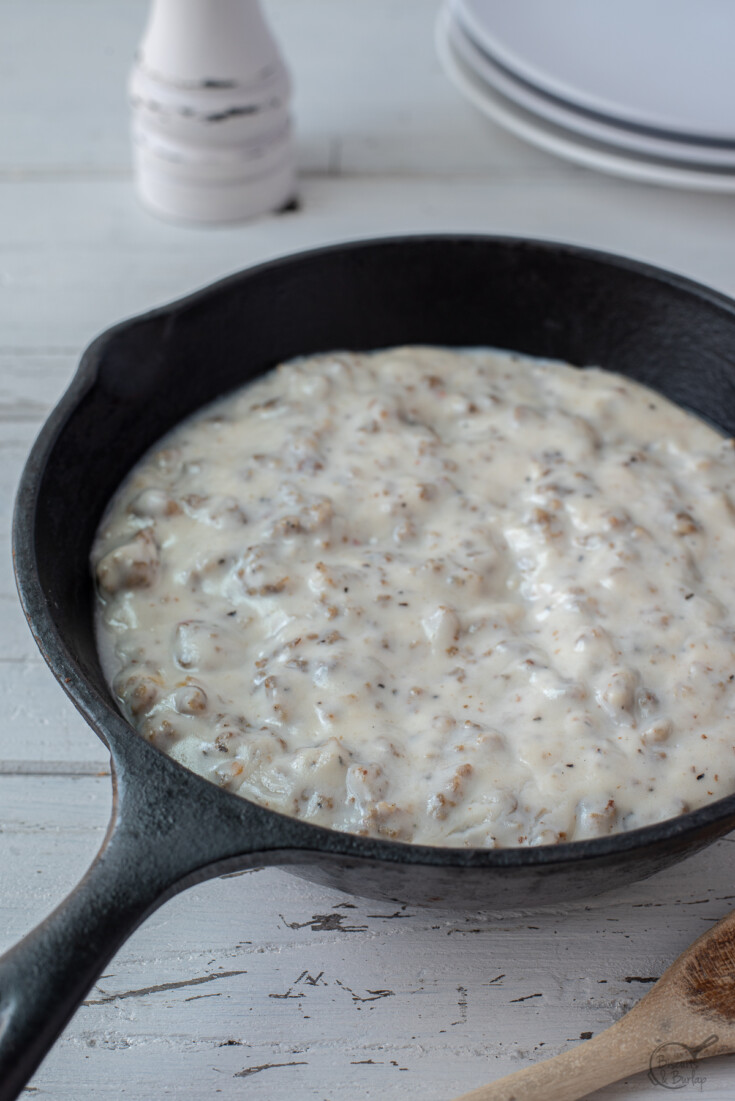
{"points": [[143, 376]]}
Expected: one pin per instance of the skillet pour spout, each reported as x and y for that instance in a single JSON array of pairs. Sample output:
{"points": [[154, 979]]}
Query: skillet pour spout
{"points": [[170, 828]]}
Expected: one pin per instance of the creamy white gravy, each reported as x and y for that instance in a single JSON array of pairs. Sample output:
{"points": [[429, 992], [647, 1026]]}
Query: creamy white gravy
{"points": [[458, 598]]}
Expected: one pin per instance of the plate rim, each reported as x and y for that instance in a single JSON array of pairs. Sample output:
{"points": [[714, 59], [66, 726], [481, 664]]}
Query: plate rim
{"points": [[555, 86], [588, 124], [553, 139]]}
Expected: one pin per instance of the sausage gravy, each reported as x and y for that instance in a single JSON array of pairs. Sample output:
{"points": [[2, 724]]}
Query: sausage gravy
{"points": [[449, 597]]}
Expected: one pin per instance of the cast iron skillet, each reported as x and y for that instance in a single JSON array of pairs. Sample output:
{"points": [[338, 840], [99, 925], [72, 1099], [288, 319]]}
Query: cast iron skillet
{"points": [[170, 828]]}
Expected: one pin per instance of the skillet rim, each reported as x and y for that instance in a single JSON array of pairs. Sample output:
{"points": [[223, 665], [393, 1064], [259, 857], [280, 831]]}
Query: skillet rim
{"points": [[714, 818]]}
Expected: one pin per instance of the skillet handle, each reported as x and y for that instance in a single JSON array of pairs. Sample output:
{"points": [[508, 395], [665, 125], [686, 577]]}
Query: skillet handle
{"points": [[45, 977], [169, 829]]}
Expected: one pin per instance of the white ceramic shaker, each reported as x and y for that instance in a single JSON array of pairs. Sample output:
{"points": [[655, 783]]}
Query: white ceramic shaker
{"points": [[210, 103]]}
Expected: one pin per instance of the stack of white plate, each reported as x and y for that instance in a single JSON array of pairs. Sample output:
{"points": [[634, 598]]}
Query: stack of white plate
{"points": [[640, 88]]}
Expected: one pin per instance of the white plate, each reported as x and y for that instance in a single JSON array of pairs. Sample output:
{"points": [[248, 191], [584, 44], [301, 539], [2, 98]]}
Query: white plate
{"points": [[640, 142], [556, 140], [661, 64]]}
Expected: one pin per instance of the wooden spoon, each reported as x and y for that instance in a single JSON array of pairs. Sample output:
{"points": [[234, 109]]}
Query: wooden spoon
{"points": [[688, 1015]]}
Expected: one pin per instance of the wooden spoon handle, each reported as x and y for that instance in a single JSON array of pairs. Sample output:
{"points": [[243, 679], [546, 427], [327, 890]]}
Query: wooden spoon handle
{"points": [[689, 1014], [612, 1055]]}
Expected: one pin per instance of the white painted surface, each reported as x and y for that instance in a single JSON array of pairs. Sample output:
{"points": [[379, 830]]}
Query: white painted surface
{"points": [[386, 145]]}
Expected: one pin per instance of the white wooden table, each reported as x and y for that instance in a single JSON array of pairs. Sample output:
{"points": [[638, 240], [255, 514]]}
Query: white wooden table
{"points": [[261, 986]]}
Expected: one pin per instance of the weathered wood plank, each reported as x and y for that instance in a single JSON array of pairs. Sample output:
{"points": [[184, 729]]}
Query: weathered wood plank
{"points": [[263, 969], [31, 383], [108, 259], [263, 985], [40, 724]]}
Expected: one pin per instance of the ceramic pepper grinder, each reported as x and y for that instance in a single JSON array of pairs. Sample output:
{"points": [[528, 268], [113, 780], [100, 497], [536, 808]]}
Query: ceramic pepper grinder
{"points": [[211, 128]]}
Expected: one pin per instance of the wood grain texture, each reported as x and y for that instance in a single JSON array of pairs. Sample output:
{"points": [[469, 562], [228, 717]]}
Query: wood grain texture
{"points": [[686, 1017], [333, 993], [262, 986]]}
